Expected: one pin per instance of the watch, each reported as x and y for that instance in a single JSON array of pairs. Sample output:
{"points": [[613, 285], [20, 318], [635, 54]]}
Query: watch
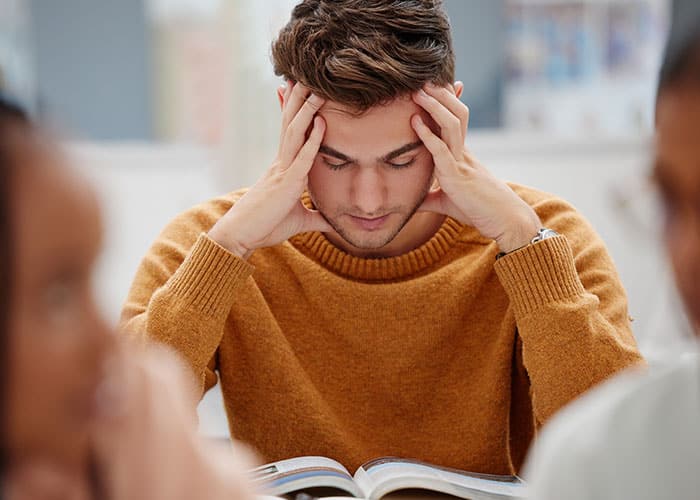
{"points": [[542, 234]]}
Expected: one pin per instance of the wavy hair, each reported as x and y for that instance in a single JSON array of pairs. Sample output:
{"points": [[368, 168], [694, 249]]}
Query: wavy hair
{"points": [[364, 53]]}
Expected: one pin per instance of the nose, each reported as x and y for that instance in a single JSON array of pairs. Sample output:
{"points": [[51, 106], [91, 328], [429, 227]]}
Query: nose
{"points": [[368, 192]]}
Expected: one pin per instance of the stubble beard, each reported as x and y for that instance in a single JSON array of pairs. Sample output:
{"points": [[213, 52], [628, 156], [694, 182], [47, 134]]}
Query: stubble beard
{"points": [[365, 244]]}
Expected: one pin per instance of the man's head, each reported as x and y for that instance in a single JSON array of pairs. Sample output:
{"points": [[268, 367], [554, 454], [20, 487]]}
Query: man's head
{"points": [[366, 58], [363, 53], [677, 164]]}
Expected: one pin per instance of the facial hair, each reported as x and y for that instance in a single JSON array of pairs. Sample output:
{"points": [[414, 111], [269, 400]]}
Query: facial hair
{"points": [[348, 237]]}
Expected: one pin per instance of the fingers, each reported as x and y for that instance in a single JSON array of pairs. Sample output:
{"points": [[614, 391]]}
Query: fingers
{"points": [[443, 157], [294, 97], [305, 157], [39, 480], [285, 101], [295, 134], [448, 99], [450, 124]]}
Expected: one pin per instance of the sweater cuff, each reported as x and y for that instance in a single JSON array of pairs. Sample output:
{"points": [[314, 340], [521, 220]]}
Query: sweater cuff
{"points": [[208, 277], [539, 274]]}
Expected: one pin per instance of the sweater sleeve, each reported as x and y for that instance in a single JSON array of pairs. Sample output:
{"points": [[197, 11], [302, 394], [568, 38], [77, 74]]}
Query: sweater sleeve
{"points": [[570, 310], [183, 292]]}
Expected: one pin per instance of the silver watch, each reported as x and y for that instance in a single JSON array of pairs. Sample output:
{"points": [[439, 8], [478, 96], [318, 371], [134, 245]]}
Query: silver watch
{"points": [[544, 234]]}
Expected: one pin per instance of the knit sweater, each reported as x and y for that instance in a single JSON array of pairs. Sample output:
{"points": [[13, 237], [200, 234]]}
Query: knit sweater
{"points": [[443, 354]]}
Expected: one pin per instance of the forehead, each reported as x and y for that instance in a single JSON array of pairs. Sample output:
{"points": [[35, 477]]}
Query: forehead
{"points": [[677, 141], [381, 128]]}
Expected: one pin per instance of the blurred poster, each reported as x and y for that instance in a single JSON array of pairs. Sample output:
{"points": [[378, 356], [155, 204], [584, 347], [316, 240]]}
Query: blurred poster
{"points": [[214, 80], [578, 66]]}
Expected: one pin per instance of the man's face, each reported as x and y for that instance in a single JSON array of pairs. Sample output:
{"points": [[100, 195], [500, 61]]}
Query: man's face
{"points": [[371, 173], [677, 173]]}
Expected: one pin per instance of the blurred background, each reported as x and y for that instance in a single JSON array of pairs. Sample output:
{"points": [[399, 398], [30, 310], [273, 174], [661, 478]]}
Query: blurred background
{"points": [[165, 103]]}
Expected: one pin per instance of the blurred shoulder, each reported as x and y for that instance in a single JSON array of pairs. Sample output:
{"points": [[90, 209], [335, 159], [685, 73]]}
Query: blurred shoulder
{"points": [[635, 422]]}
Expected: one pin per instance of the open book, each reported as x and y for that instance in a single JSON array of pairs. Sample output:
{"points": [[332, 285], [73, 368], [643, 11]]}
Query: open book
{"points": [[323, 477]]}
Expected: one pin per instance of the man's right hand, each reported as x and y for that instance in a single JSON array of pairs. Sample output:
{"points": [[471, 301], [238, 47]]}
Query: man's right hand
{"points": [[271, 211]]}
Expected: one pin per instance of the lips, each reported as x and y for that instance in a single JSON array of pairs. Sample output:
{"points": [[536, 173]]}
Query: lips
{"points": [[370, 224]]}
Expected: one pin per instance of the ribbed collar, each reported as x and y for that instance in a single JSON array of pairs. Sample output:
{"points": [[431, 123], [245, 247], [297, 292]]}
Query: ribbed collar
{"points": [[316, 246]]}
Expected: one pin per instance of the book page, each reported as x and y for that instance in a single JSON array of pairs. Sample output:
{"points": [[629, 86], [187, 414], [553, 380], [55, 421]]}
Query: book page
{"points": [[379, 477], [295, 474]]}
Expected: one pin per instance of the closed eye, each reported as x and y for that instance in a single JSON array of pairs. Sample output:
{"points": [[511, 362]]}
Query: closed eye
{"points": [[334, 165], [404, 164]]}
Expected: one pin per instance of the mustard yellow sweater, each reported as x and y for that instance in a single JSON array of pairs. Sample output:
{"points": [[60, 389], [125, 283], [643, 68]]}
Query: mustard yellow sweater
{"points": [[442, 354]]}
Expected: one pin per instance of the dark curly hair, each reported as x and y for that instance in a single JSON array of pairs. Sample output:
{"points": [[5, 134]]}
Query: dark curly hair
{"points": [[364, 53]]}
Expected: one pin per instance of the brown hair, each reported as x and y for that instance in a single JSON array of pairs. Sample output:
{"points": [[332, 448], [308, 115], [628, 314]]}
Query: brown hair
{"points": [[363, 53]]}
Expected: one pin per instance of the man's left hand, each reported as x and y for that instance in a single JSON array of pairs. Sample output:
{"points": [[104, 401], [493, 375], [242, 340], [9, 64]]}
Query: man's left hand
{"points": [[467, 191]]}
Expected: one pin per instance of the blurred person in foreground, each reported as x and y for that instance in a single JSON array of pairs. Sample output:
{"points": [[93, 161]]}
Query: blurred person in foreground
{"points": [[82, 418], [351, 301], [638, 436]]}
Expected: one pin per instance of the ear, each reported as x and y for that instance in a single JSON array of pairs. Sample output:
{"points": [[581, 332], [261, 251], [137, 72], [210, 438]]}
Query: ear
{"points": [[459, 88]]}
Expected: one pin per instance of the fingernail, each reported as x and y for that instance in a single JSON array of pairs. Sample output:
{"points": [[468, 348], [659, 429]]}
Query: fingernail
{"points": [[422, 93]]}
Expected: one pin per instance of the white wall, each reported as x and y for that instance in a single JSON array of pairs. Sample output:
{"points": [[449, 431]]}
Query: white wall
{"points": [[143, 186]]}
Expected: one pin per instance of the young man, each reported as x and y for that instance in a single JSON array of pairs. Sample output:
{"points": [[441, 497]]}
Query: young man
{"points": [[351, 301], [639, 436]]}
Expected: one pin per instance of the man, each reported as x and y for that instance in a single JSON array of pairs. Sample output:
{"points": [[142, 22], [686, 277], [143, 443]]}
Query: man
{"points": [[638, 436], [351, 301]]}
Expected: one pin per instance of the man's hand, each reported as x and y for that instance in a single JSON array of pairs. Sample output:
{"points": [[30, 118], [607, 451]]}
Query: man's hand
{"points": [[271, 211], [468, 192], [40, 479]]}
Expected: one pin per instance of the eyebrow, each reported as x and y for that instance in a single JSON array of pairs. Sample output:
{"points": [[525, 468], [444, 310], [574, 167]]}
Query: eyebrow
{"points": [[327, 150]]}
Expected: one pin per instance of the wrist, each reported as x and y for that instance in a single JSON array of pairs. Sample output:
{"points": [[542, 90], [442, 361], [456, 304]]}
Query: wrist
{"points": [[220, 236], [519, 235]]}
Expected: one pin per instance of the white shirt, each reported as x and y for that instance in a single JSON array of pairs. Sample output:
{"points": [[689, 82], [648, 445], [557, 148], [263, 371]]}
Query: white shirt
{"points": [[635, 437]]}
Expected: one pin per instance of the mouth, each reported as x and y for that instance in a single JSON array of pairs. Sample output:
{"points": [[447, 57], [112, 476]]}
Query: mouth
{"points": [[372, 224]]}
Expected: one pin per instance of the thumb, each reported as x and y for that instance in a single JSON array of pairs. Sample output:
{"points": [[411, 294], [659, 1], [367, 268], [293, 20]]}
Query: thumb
{"points": [[314, 221], [434, 202]]}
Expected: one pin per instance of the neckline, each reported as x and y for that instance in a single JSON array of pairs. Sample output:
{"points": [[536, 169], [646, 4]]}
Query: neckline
{"points": [[316, 246]]}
